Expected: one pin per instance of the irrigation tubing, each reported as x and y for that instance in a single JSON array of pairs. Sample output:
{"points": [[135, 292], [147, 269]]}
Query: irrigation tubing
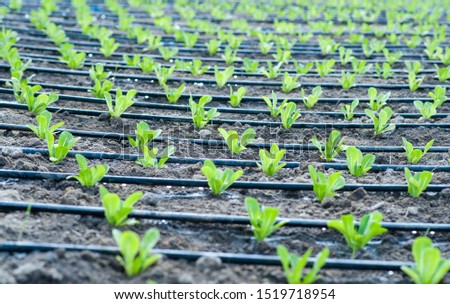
{"points": [[180, 119], [234, 258], [56, 176], [212, 142], [228, 162], [202, 217], [216, 97]]}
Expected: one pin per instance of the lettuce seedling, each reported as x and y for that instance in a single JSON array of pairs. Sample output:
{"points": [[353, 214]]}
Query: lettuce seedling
{"points": [[121, 103], [305, 37], [189, 39], [380, 123], [282, 56], [349, 109], [444, 57], [150, 158], [163, 74], [232, 139], [270, 161], [73, 59], [21, 89], [250, 66], [357, 164], [147, 64], [132, 61], [265, 47], [384, 71], [173, 94], [327, 45], [219, 180], [7, 38], [443, 73], [429, 267], [273, 104], [143, 135], [345, 55], [230, 56], [43, 125], [116, 210], [213, 46], [289, 83], [303, 69], [97, 71], [294, 265], [289, 114], [57, 152], [153, 42], [360, 66], [325, 67], [414, 82], [136, 254], [312, 99], [325, 186], [199, 116], [392, 58], [236, 97], [272, 71], [427, 109], [415, 155], [101, 88], [108, 46], [197, 68], [89, 177], [417, 183], [438, 95], [222, 77], [376, 102], [263, 219], [332, 147], [368, 228], [347, 80], [182, 65], [413, 66], [56, 34], [40, 103]]}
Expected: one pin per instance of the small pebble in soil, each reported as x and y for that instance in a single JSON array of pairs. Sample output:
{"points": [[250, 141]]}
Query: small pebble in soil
{"points": [[103, 117], [208, 262]]}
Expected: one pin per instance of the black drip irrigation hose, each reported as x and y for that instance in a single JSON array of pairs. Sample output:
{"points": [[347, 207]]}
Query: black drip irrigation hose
{"points": [[215, 97], [213, 142], [202, 217], [56, 176], [180, 119], [227, 162], [234, 258]]}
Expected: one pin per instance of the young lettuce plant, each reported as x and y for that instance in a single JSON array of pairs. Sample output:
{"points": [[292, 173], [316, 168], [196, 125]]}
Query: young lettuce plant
{"points": [[98, 72], [294, 265], [413, 66], [438, 95], [167, 53], [132, 61], [121, 104], [136, 254], [38, 104], [108, 46], [275, 110], [325, 186], [89, 177], [313, 98], [222, 77], [380, 123], [348, 80], [144, 135], [147, 64], [101, 88], [199, 116], [417, 183], [325, 67], [236, 97], [345, 55], [349, 109], [392, 58], [376, 102], [173, 94], [250, 66], [414, 82], [219, 180], [163, 74], [368, 228], [384, 71], [357, 164], [415, 155], [43, 125], [270, 161], [272, 71], [197, 68], [360, 66], [303, 69], [232, 139], [332, 147], [263, 219], [289, 114], [57, 152], [116, 210], [230, 56], [150, 158], [213, 46], [289, 83], [443, 73], [429, 267]]}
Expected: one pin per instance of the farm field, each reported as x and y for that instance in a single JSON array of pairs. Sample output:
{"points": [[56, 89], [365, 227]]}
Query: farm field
{"points": [[187, 116]]}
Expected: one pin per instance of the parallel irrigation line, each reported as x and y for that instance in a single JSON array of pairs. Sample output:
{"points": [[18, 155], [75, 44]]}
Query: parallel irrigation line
{"points": [[180, 119], [202, 217], [56, 176], [227, 162], [218, 59], [235, 258], [183, 108], [215, 97], [212, 142]]}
